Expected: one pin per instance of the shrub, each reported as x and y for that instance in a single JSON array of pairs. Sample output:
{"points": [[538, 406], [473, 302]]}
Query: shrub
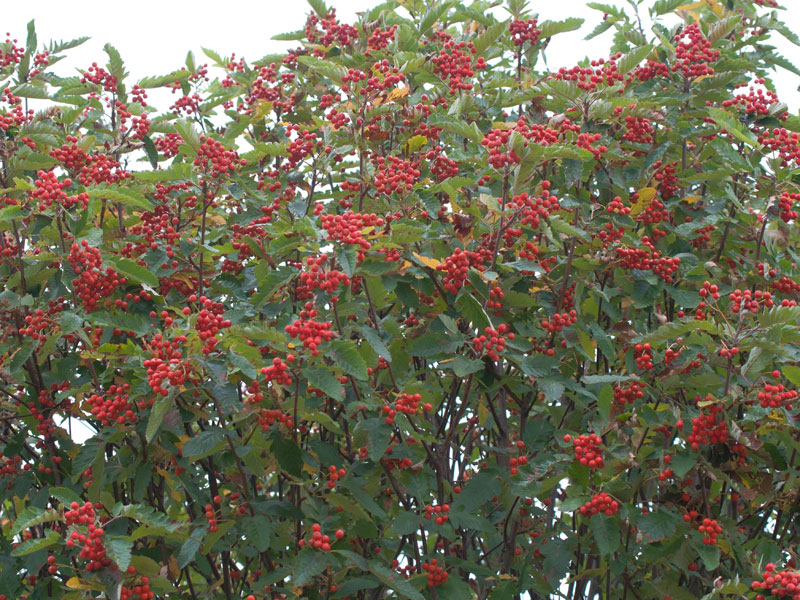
{"points": [[400, 314]]}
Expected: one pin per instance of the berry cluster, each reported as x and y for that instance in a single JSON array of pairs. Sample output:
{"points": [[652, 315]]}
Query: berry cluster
{"points": [[524, 31], [708, 428], [533, 210], [395, 175], [311, 333], [113, 406], [454, 64], [493, 341], [348, 228], [708, 527], [750, 301], [600, 71], [334, 475], [268, 417], [379, 39], [781, 584], [215, 159], [457, 267], [319, 540], [92, 282], [92, 546], [628, 394], [211, 517], [496, 141], [278, 371], [559, 321], [786, 143], [649, 260], [756, 101], [99, 76], [785, 204], [600, 503], [436, 575], [331, 30], [587, 449], [49, 190], [777, 396], [642, 353], [438, 513], [692, 55], [616, 206]]}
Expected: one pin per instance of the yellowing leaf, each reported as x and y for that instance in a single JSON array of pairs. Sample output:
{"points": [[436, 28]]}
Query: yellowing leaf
{"points": [[646, 196], [692, 199], [428, 262], [76, 583], [416, 142]]}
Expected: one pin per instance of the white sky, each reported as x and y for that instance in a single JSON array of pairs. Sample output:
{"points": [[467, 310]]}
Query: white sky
{"points": [[154, 37]]}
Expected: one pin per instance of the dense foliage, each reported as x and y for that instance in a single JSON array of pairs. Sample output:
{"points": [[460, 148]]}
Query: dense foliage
{"points": [[400, 315]]}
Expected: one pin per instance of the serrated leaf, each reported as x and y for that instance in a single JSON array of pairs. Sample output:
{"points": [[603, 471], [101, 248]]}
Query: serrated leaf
{"points": [[727, 122], [119, 550], [489, 37], [433, 14], [633, 58], [188, 551], [30, 517], [723, 28], [319, 7], [156, 81], [395, 581], [551, 28], [346, 355], [136, 272], [36, 544], [324, 380], [288, 454], [157, 413], [203, 444], [125, 196], [606, 533]]}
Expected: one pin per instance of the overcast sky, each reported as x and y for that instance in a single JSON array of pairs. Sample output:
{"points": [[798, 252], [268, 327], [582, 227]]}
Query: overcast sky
{"points": [[154, 37]]}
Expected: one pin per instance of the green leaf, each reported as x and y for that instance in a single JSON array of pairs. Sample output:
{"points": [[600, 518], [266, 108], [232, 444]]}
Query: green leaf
{"points": [[722, 28], [658, 524], [347, 258], [203, 444], [156, 81], [125, 196], [729, 123], [463, 366], [324, 380], [709, 555], [791, 373], [189, 550], [433, 14], [308, 564], [606, 533], [551, 28], [394, 580], [136, 272], [30, 517], [119, 550], [115, 65], [288, 454], [345, 354], [489, 37], [662, 7], [319, 7], [592, 379], [28, 547], [70, 322], [628, 61]]}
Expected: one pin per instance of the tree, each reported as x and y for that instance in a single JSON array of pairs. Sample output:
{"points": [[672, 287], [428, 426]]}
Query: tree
{"points": [[398, 314]]}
